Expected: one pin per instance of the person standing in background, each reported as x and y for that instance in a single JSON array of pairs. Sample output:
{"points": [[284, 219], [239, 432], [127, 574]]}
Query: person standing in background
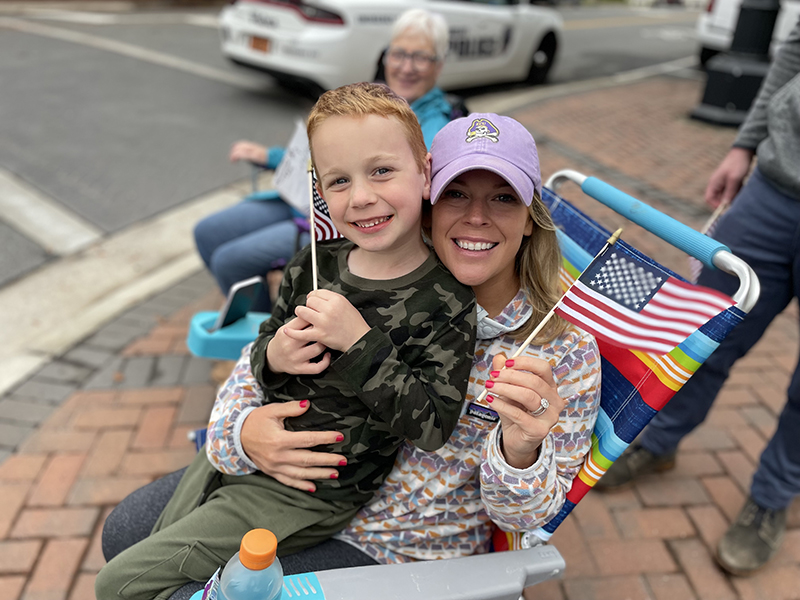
{"points": [[763, 228]]}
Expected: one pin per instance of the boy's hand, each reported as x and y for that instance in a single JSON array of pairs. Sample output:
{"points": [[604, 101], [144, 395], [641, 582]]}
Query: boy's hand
{"points": [[289, 354], [334, 321]]}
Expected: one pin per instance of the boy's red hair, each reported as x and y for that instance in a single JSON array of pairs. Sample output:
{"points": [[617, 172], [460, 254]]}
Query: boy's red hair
{"points": [[361, 100]]}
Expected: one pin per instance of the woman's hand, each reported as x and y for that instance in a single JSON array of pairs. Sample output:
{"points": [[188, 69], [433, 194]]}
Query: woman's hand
{"points": [[249, 151], [516, 392], [291, 351], [334, 321], [283, 454]]}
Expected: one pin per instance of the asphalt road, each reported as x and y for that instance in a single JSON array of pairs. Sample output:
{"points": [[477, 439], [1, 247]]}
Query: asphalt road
{"points": [[601, 41], [111, 119]]}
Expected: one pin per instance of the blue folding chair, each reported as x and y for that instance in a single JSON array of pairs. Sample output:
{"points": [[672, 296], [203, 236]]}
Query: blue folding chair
{"points": [[635, 386]]}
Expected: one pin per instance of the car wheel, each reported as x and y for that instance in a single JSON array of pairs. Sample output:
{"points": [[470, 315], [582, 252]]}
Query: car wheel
{"points": [[542, 59], [706, 54]]}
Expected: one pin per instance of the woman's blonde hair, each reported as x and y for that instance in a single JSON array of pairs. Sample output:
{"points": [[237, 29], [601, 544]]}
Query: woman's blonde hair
{"points": [[537, 264], [361, 100]]}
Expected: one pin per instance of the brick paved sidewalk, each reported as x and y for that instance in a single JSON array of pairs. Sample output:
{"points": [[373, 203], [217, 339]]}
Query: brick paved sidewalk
{"points": [[113, 412]]}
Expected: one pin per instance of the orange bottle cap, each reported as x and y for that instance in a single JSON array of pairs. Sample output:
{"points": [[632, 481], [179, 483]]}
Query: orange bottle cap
{"points": [[258, 549]]}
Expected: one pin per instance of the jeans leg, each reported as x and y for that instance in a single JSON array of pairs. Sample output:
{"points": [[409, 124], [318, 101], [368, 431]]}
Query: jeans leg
{"points": [[234, 222], [777, 480], [760, 228]]}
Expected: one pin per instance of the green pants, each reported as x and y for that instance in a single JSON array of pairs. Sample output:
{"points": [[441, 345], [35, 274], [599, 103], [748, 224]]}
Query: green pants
{"points": [[203, 524]]}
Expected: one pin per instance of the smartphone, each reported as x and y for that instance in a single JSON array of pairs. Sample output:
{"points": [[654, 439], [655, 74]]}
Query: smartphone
{"points": [[240, 299]]}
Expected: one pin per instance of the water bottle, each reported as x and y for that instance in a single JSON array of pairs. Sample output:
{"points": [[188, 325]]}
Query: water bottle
{"points": [[253, 573]]}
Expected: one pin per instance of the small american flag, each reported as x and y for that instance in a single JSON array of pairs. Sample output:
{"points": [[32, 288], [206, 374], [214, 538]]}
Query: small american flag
{"points": [[627, 302], [324, 229], [695, 266]]}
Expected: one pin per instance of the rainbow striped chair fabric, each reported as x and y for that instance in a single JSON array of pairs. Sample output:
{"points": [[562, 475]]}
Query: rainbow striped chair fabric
{"points": [[636, 385]]}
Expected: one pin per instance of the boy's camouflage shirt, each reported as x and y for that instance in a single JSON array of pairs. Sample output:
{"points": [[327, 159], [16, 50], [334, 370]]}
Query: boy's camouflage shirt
{"points": [[405, 379]]}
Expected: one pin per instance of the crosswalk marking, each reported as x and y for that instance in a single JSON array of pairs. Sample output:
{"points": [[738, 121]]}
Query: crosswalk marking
{"points": [[51, 225], [133, 51]]}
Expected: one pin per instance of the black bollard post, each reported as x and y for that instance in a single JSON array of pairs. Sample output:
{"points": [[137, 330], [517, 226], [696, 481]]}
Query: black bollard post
{"points": [[735, 77]]}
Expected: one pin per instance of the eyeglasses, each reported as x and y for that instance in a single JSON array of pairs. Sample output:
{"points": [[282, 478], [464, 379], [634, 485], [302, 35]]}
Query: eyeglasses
{"points": [[420, 61]]}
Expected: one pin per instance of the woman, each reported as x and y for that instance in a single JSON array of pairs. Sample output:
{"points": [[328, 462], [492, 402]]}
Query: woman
{"points": [[251, 238], [489, 227]]}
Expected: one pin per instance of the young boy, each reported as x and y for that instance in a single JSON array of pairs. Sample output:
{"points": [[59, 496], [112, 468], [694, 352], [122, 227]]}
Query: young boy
{"points": [[398, 328], [395, 331]]}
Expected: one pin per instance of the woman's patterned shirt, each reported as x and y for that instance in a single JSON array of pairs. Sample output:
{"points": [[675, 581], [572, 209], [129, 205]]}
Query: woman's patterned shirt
{"points": [[441, 504]]}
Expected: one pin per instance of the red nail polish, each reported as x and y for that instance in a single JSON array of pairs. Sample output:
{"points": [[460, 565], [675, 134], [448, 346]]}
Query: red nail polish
{"points": [[334, 476], [495, 373], [490, 398], [510, 363], [340, 438], [303, 403], [343, 462], [312, 490], [490, 384]]}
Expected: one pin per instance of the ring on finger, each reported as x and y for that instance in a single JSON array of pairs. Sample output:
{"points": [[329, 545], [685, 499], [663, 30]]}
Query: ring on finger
{"points": [[543, 406]]}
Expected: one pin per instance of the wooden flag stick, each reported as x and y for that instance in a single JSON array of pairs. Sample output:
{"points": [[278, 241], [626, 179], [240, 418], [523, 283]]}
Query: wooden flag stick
{"points": [[312, 222], [609, 242], [715, 215]]}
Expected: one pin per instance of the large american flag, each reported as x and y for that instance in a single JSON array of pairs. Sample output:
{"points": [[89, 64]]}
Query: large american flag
{"points": [[324, 229], [627, 302]]}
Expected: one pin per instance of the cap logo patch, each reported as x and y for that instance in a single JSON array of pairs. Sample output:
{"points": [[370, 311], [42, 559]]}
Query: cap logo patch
{"points": [[482, 128]]}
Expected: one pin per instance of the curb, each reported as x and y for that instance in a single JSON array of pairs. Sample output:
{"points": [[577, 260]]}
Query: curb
{"points": [[90, 288], [504, 102]]}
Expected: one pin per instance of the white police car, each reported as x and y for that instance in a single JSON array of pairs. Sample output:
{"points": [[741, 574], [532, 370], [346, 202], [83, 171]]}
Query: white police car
{"points": [[330, 43], [716, 25]]}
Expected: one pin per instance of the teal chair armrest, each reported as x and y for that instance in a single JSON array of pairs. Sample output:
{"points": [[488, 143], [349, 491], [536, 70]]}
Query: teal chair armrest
{"points": [[225, 343]]}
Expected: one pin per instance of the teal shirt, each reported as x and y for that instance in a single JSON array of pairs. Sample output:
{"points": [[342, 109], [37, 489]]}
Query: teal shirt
{"points": [[433, 113]]}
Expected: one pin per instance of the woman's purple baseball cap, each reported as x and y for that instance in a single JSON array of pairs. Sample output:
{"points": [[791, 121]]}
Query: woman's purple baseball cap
{"points": [[486, 141]]}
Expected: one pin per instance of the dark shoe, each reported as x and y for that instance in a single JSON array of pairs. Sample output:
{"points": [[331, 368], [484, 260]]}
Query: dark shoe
{"points": [[752, 540], [635, 461]]}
